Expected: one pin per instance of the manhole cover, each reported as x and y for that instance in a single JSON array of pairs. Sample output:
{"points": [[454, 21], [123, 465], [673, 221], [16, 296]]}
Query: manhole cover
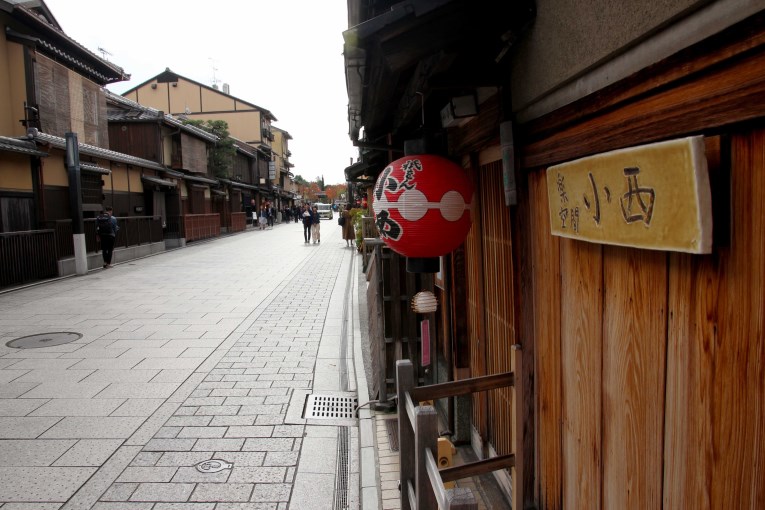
{"points": [[330, 407], [43, 340], [213, 466]]}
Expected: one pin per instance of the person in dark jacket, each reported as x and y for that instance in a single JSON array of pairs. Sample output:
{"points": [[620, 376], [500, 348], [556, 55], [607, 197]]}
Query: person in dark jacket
{"points": [[106, 233], [307, 222]]}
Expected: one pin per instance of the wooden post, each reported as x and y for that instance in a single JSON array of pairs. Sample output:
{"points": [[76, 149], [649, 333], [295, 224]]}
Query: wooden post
{"points": [[425, 438], [404, 383]]}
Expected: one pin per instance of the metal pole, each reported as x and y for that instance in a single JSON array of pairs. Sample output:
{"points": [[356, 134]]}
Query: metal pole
{"points": [[75, 203]]}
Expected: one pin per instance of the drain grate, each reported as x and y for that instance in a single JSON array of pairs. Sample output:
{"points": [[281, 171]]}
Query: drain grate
{"points": [[342, 469], [44, 340], [330, 407], [391, 426]]}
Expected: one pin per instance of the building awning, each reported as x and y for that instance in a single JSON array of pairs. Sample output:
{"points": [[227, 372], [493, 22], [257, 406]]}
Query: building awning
{"points": [[94, 169], [237, 184], [158, 181], [196, 178], [218, 192]]}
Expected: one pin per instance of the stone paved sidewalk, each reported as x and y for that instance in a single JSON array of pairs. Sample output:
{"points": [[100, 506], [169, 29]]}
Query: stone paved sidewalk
{"points": [[190, 356]]}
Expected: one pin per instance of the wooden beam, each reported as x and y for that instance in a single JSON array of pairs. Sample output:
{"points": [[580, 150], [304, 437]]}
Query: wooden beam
{"points": [[477, 468], [462, 387]]}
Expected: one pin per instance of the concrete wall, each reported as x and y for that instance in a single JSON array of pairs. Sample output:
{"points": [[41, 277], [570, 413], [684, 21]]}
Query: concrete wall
{"points": [[576, 47]]}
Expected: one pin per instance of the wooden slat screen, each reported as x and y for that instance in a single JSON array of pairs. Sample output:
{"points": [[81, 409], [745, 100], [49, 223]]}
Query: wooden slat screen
{"points": [[498, 301], [490, 305]]}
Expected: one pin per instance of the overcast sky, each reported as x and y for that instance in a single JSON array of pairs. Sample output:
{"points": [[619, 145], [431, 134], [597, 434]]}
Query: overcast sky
{"points": [[282, 55]]}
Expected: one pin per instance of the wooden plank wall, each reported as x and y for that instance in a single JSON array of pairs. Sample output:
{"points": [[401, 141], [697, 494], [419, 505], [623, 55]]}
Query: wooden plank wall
{"points": [[499, 312], [650, 366]]}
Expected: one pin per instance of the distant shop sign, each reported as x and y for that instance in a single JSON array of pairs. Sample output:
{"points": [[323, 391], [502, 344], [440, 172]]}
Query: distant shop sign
{"points": [[653, 196]]}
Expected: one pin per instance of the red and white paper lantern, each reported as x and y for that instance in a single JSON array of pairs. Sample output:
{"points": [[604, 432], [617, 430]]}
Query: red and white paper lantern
{"points": [[422, 206]]}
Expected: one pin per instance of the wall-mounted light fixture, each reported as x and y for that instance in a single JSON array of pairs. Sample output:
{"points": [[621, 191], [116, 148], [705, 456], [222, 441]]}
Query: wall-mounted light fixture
{"points": [[153, 85], [458, 110]]}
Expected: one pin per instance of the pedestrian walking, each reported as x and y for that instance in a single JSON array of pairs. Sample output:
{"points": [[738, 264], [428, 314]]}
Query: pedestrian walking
{"points": [[296, 213], [316, 225], [262, 217], [269, 215], [346, 221], [307, 221], [106, 233]]}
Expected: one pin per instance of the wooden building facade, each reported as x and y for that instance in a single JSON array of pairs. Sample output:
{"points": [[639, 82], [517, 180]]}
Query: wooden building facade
{"points": [[639, 373]]}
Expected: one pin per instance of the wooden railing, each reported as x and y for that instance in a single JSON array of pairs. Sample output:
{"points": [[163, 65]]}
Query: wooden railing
{"points": [[422, 483], [27, 256], [238, 222], [134, 231], [370, 237], [201, 226]]}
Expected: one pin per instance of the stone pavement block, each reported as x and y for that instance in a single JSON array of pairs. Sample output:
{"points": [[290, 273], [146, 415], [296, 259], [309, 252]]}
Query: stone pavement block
{"points": [[174, 363], [264, 492], [146, 459], [268, 445], [140, 474], [261, 409], [106, 362], [189, 421], [139, 390], [203, 432], [281, 459], [250, 431], [119, 492], [63, 376], [29, 484], [289, 431], [170, 492], [249, 506], [172, 376], [32, 506], [25, 427], [242, 459], [115, 375], [19, 407], [79, 407], [64, 389], [89, 452], [222, 492], [32, 452], [185, 506], [258, 474], [138, 407], [169, 445], [229, 445], [183, 458], [94, 427], [314, 491], [216, 410], [122, 506], [193, 475], [232, 421]]}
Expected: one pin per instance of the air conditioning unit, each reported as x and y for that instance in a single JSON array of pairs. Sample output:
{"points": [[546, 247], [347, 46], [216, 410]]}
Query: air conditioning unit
{"points": [[459, 110]]}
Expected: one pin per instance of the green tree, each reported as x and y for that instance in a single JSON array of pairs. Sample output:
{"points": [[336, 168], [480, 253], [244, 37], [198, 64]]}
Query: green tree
{"points": [[300, 181], [220, 158]]}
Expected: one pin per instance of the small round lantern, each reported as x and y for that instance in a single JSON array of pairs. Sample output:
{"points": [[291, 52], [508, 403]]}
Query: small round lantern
{"points": [[424, 302], [422, 206]]}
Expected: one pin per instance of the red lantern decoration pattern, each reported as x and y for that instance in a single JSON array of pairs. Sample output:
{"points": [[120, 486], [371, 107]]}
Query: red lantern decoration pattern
{"points": [[422, 206]]}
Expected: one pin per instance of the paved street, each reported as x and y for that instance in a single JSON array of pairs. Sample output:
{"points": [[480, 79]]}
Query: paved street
{"points": [[206, 353]]}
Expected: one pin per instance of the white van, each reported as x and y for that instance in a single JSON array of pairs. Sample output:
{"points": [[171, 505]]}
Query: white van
{"points": [[325, 211]]}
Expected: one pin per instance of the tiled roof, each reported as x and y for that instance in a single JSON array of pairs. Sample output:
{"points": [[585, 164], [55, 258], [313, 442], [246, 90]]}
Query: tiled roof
{"points": [[92, 150], [64, 47], [20, 146], [127, 110]]}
